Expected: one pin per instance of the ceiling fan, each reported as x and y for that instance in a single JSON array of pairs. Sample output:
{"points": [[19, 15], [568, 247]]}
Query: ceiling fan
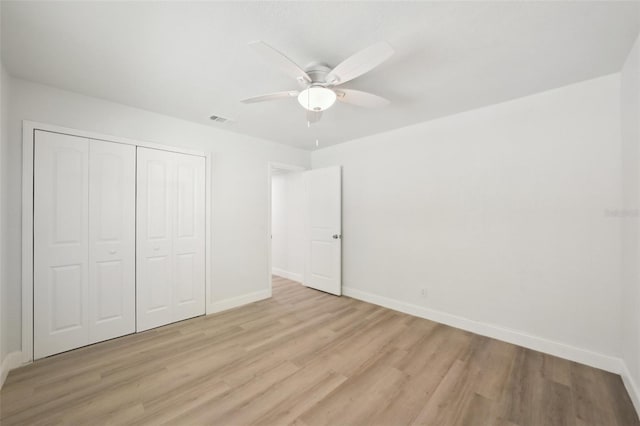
{"points": [[319, 84]]}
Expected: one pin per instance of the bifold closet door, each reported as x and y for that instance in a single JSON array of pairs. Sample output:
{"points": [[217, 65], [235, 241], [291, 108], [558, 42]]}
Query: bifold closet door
{"points": [[112, 233], [170, 281], [61, 243], [84, 230]]}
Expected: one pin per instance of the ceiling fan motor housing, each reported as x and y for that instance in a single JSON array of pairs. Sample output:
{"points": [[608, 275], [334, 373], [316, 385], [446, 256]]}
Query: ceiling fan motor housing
{"points": [[318, 72]]}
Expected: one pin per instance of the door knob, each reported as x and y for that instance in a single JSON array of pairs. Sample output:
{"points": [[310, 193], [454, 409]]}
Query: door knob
{"points": [[112, 252], [336, 236]]}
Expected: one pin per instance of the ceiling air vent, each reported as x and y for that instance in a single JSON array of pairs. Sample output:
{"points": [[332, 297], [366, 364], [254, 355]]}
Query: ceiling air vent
{"points": [[219, 119]]}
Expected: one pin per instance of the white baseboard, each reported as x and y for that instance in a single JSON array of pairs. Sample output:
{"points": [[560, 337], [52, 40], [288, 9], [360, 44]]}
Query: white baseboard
{"points": [[633, 388], [562, 350], [11, 361], [234, 302], [293, 276]]}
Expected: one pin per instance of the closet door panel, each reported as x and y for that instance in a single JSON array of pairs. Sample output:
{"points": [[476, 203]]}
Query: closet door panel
{"points": [[189, 243], [155, 217], [61, 279], [112, 239]]}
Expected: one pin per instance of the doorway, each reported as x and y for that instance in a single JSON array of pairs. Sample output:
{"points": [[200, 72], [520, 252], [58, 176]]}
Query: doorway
{"points": [[286, 222]]}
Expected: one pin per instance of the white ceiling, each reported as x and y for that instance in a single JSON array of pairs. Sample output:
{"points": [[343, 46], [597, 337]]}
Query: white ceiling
{"points": [[191, 60]]}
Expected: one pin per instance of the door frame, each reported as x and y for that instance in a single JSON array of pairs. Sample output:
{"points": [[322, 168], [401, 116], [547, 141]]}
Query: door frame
{"points": [[28, 140], [270, 167]]}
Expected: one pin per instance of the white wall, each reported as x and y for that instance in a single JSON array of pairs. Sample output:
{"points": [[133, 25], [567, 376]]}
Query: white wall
{"points": [[288, 225], [630, 113], [500, 213], [4, 110], [295, 225], [240, 171], [278, 223]]}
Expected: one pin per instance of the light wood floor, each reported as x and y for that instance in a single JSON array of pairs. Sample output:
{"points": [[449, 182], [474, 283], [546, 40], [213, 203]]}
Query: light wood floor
{"points": [[308, 358]]}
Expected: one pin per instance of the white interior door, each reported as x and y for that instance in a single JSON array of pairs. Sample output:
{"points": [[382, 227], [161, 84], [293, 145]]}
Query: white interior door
{"points": [[188, 237], [323, 265], [85, 282], [112, 225], [155, 194], [170, 283], [61, 243]]}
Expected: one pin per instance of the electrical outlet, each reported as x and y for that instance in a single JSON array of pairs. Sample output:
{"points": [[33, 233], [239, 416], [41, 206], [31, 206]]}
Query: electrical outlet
{"points": [[423, 292]]}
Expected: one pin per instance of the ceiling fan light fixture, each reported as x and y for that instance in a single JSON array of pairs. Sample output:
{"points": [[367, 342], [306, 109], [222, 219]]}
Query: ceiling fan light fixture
{"points": [[317, 98]]}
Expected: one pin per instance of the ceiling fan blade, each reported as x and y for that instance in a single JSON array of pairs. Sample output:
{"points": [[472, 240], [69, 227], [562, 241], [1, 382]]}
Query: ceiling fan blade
{"points": [[314, 116], [270, 97], [359, 98], [280, 59], [360, 63]]}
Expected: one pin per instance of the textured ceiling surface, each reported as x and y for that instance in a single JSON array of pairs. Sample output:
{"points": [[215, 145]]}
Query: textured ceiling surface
{"points": [[191, 60]]}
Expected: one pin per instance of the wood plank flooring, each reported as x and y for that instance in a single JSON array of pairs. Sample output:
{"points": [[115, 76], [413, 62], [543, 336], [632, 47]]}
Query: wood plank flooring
{"points": [[307, 358]]}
